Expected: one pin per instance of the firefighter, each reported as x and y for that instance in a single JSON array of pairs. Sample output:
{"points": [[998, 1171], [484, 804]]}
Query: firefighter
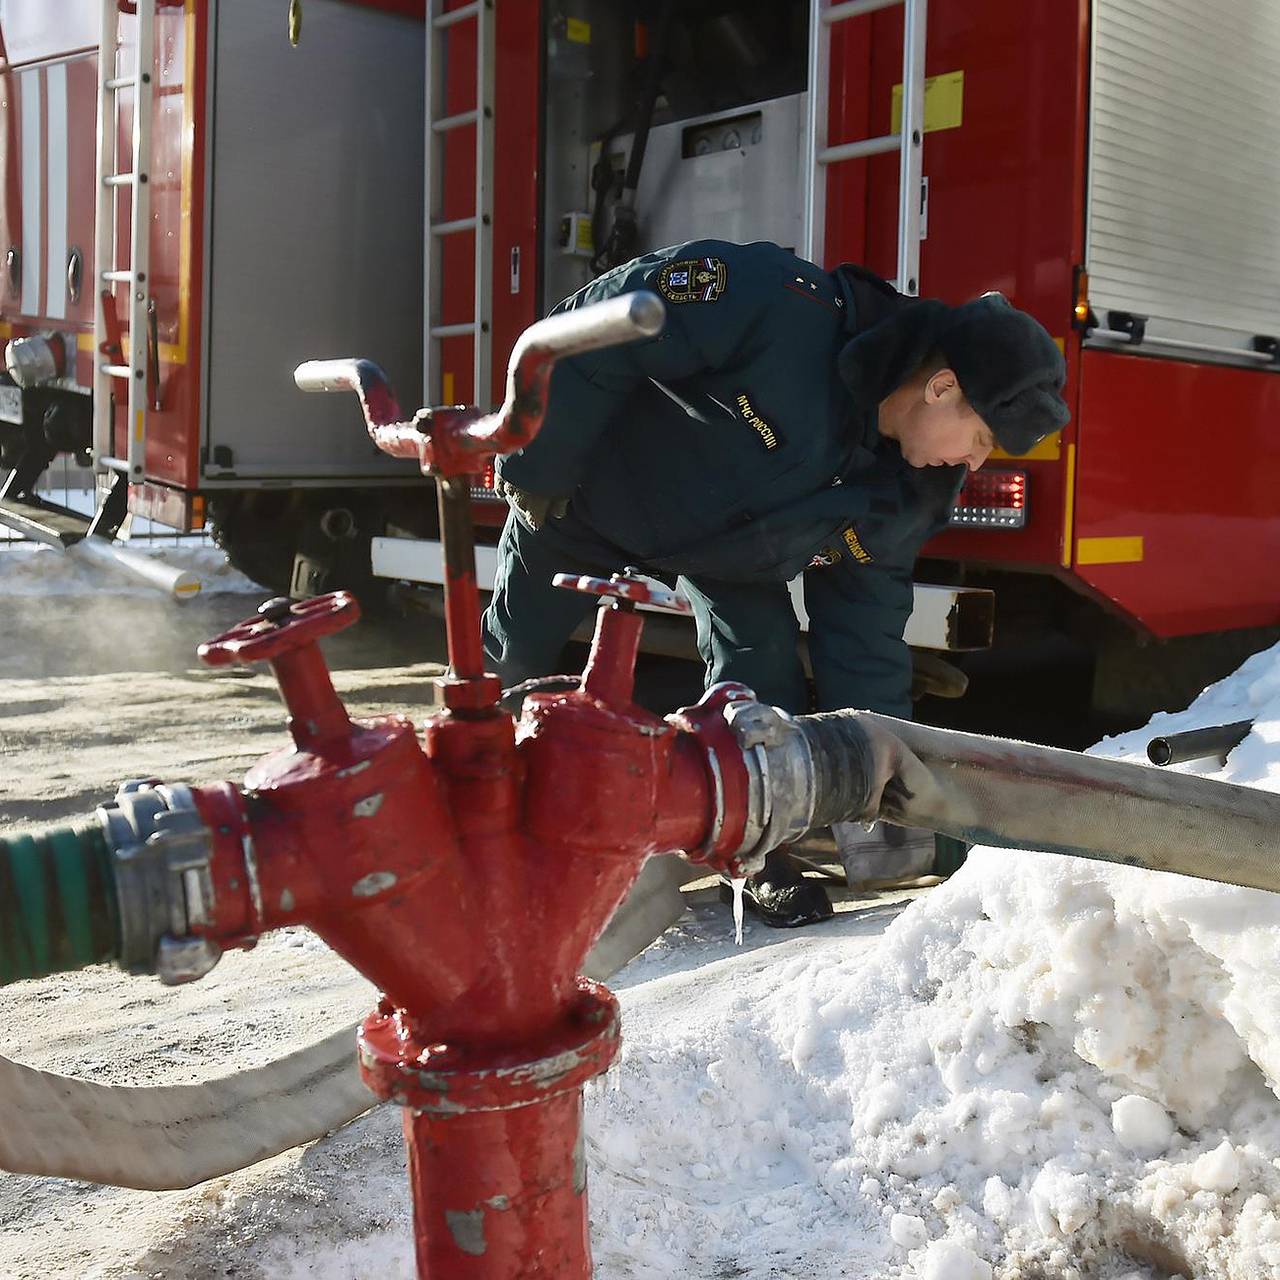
{"points": [[786, 421]]}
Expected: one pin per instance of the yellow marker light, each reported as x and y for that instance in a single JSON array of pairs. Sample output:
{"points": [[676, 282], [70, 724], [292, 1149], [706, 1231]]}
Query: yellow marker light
{"points": [[1081, 308]]}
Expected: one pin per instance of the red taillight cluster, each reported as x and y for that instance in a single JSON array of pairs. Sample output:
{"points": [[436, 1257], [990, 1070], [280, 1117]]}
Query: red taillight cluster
{"points": [[992, 500], [483, 492]]}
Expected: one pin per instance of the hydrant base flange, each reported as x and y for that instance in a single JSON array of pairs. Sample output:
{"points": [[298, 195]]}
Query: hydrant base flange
{"points": [[453, 1079]]}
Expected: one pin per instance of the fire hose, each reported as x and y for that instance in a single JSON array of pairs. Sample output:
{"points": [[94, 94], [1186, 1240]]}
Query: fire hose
{"points": [[425, 860]]}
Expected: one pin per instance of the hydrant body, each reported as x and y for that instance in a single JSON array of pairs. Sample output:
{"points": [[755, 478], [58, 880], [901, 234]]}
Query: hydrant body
{"points": [[468, 877]]}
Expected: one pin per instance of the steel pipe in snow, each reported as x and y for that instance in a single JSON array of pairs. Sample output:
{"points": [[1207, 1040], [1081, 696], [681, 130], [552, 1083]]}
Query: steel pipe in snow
{"points": [[181, 584], [1019, 796]]}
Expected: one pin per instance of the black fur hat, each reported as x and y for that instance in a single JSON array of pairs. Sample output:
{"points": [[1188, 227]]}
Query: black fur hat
{"points": [[1008, 366]]}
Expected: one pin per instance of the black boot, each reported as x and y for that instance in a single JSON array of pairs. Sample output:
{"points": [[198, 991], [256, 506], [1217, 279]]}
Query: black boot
{"points": [[781, 896]]}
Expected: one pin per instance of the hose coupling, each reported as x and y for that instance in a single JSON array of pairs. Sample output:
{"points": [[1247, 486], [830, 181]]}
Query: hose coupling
{"points": [[161, 852], [781, 778]]}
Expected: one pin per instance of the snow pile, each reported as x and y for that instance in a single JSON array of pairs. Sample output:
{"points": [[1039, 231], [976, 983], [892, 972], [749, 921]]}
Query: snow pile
{"points": [[1046, 1068], [33, 569]]}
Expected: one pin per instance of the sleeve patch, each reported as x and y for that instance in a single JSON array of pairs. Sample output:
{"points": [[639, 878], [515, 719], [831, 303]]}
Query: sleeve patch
{"points": [[856, 549], [693, 280]]}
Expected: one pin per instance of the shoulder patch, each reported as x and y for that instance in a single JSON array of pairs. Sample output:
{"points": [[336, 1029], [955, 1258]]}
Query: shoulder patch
{"points": [[825, 558], [856, 549], [693, 280]]}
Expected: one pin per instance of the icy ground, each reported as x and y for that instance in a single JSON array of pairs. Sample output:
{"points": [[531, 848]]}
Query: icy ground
{"points": [[1045, 1069]]}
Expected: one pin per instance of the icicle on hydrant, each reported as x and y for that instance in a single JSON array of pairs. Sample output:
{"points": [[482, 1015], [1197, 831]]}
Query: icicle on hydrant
{"points": [[468, 873]]}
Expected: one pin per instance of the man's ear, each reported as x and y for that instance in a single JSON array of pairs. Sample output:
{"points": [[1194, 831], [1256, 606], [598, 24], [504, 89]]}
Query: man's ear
{"points": [[941, 386]]}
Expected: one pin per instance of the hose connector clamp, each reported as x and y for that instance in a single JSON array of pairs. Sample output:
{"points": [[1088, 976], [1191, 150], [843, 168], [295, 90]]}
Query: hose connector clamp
{"points": [[781, 777], [161, 851]]}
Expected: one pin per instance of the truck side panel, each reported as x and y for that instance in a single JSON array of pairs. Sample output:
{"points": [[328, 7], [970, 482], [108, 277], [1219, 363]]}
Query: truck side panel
{"points": [[1178, 477]]}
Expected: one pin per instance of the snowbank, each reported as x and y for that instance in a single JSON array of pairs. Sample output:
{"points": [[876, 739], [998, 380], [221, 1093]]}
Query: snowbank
{"points": [[1047, 1067]]}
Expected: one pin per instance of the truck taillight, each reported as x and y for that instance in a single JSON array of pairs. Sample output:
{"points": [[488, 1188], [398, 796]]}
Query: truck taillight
{"points": [[992, 500], [483, 492]]}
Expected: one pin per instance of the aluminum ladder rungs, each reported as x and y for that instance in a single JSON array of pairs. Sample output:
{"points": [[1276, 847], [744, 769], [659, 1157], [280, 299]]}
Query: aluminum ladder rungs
{"points": [[444, 119], [459, 121], [854, 9], [443, 20], [457, 225], [114, 116], [858, 150], [907, 141]]}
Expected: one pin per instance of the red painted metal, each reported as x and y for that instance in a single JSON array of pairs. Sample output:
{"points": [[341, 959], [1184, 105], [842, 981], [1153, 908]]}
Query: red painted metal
{"points": [[1210, 524], [469, 876]]}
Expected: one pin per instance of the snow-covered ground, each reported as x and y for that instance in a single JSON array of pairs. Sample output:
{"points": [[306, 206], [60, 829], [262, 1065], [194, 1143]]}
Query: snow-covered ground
{"points": [[1045, 1069]]}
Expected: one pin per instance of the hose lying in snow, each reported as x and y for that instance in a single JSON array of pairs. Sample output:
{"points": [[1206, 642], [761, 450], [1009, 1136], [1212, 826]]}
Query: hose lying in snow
{"points": [[167, 1137]]}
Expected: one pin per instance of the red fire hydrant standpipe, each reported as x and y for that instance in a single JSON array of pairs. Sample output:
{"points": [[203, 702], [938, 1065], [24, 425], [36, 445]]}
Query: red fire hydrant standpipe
{"points": [[468, 874]]}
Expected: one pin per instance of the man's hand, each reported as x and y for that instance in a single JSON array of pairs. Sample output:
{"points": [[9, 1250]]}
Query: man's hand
{"points": [[535, 509]]}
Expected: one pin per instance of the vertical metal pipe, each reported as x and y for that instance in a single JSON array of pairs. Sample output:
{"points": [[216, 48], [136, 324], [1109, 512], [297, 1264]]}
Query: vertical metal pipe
{"points": [[461, 600], [500, 1194], [433, 40], [610, 673], [915, 24], [483, 360]]}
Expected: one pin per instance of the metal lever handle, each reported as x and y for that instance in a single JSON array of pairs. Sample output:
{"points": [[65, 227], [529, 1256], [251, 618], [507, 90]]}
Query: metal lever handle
{"points": [[603, 324], [456, 442]]}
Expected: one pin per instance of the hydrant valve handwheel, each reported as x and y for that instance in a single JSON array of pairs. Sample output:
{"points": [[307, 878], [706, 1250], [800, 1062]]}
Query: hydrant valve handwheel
{"points": [[634, 590], [281, 626]]}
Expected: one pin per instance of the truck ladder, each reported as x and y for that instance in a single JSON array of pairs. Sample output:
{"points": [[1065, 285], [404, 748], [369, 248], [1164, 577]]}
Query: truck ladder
{"points": [[823, 15], [439, 125], [133, 368]]}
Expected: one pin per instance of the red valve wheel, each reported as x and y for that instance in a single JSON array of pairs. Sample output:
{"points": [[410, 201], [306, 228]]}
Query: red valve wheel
{"points": [[281, 626], [633, 589]]}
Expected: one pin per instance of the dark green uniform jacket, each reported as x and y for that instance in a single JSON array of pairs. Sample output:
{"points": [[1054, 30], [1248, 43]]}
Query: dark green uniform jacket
{"points": [[728, 448]]}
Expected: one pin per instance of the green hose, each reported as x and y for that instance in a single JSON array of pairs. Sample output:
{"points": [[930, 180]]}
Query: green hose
{"points": [[58, 907]]}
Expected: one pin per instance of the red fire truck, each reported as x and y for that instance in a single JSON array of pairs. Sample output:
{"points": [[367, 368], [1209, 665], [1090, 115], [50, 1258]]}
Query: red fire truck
{"points": [[1107, 164]]}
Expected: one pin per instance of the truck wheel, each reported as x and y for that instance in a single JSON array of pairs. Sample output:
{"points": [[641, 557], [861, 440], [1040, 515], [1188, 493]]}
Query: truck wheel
{"points": [[303, 542], [258, 533]]}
